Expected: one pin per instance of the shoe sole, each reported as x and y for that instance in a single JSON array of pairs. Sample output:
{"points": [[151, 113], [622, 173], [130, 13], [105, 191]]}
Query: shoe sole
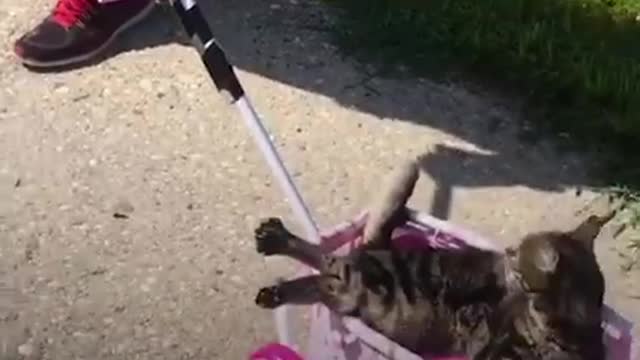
{"points": [[88, 56]]}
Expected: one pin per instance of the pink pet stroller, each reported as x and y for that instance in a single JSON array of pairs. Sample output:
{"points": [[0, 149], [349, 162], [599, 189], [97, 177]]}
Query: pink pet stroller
{"points": [[332, 337]]}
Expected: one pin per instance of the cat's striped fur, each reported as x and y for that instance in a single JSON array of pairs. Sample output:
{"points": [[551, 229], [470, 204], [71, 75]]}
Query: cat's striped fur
{"points": [[540, 300]]}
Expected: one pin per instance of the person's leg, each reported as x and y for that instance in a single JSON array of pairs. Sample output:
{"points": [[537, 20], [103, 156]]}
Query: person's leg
{"points": [[78, 30]]}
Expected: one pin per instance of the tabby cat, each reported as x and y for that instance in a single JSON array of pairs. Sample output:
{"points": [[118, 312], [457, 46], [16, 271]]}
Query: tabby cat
{"points": [[539, 300]]}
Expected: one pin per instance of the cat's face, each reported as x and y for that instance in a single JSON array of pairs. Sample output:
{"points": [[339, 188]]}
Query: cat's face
{"points": [[537, 260], [560, 269]]}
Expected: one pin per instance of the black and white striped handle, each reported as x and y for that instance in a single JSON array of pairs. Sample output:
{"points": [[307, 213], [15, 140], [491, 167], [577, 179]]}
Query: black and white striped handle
{"points": [[212, 55]]}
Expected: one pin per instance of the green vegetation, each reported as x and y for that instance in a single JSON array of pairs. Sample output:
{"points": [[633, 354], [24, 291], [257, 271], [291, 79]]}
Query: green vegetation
{"points": [[576, 62]]}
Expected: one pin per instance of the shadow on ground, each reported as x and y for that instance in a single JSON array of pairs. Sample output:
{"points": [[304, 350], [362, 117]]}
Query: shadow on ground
{"points": [[289, 42]]}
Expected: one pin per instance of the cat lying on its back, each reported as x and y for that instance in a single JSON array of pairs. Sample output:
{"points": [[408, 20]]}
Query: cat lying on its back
{"points": [[539, 300], [427, 301]]}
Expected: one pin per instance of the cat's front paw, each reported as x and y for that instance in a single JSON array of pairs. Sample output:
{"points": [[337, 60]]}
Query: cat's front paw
{"points": [[271, 237], [269, 297]]}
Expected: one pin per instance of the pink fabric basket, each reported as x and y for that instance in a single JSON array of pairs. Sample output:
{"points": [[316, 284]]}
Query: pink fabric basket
{"points": [[343, 338]]}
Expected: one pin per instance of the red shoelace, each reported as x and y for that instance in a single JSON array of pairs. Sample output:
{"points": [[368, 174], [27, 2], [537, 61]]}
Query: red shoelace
{"points": [[69, 12]]}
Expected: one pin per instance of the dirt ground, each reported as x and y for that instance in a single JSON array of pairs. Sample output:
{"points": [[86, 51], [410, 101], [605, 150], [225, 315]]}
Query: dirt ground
{"points": [[142, 133]]}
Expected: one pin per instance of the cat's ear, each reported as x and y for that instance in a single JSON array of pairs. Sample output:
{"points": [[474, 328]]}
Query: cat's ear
{"points": [[588, 230]]}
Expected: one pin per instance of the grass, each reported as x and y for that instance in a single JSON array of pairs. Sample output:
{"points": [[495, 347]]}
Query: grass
{"points": [[576, 62]]}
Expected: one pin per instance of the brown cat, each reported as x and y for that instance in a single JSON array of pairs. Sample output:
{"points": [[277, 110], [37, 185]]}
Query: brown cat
{"points": [[540, 300], [427, 301], [557, 315], [385, 287]]}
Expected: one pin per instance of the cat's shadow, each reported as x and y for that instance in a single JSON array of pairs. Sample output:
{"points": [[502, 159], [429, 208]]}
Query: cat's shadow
{"points": [[452, 167]]}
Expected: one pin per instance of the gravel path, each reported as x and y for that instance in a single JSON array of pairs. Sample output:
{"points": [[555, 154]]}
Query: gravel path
{"points": [[129, 190]]}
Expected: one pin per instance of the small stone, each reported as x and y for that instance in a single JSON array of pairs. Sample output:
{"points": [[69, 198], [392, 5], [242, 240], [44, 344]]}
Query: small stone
{"points": [[32, 249], [123, 207], [26, 350], [146, 85], [62, 90], [169, 343]]}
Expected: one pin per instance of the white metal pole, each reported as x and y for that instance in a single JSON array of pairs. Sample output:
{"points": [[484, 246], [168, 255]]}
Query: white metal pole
{"points": [[261, 136], [268, 150], [222, 74]]}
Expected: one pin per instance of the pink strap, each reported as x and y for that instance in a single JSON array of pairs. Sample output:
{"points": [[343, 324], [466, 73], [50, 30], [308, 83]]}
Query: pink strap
{"points": [[275, 351]]}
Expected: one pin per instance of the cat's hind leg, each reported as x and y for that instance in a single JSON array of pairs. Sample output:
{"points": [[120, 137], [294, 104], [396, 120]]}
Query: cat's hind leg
{"points": [[328, 290], [273, 238], [301, 291], [388, 210]]}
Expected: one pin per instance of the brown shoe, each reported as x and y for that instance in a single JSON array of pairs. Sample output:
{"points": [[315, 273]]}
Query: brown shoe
{"points": [[78, 30]]}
